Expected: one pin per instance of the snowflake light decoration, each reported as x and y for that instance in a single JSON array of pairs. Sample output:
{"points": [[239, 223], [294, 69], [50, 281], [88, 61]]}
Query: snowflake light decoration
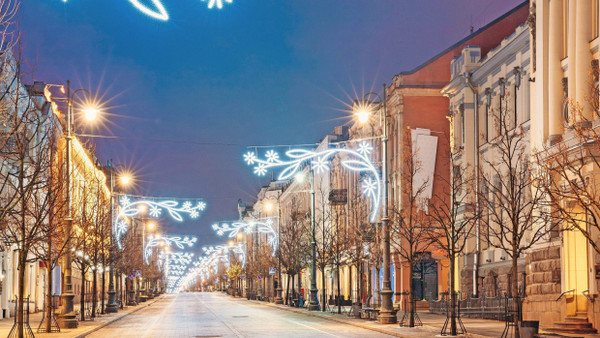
{"points": [[255, 226], [130, 208], [168, 241], [353, 160]]}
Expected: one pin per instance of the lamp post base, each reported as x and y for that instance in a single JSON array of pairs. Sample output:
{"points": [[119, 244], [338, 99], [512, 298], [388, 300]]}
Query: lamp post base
{"points": [[387, 314], [112, 306], [313, 304], [279, 299], [68, 319]]}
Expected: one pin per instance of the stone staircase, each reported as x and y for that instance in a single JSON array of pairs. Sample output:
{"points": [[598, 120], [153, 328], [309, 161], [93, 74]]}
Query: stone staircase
{"points": [[577, 324]]}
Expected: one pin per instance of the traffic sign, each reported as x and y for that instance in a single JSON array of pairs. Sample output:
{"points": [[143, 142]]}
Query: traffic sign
{"points": [[272, 271], [259, 277], [131, 275]]}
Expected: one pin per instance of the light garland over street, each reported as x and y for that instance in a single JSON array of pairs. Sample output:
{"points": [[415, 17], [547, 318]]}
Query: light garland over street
{"points": [[132, 208], [354, 160], [255, 226]]}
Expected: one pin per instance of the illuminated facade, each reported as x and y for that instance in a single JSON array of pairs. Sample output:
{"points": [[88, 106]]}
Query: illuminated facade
{"points": [[499, 81], [562, 275]]}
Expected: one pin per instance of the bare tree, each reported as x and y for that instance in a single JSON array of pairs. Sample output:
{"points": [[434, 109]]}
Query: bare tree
{"points": [[324, 235], [27, 137], [409, 224], [513, 222], [294, 241], [452, 214]]}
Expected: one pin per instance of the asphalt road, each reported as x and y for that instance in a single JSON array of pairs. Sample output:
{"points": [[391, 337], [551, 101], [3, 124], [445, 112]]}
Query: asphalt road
{"points": [[216, 315]]}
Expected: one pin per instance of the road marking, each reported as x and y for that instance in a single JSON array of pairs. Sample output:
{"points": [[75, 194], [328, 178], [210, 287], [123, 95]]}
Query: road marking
{"points": [[230, 327], [161, 318], [310, 327]]}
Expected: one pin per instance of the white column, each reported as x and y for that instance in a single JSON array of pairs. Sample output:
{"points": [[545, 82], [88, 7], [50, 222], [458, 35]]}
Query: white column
{"points": [[555, 73], [571, 52], [539, 101], [583, 58]]}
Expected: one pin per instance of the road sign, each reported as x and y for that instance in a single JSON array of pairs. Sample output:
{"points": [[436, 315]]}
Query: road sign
{"points": [[131, 275], [272, 271], [138, 273], [259, 277]]}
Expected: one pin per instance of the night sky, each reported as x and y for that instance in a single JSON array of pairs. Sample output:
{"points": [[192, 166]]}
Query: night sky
{"points": [[253, 73]]}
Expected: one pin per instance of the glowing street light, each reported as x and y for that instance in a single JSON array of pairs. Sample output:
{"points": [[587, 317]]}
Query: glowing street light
{"points": [[90, 113], [125, 179], [363, 116]]}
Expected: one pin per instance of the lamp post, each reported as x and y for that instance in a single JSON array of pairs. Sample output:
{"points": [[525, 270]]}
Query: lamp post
{"points": [[112, 305], [313, 304], [68, 318], [386, 314]]}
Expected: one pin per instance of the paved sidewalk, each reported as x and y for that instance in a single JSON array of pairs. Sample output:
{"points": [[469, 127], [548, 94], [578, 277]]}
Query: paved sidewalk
{"points": [[432, 323], [85, 327]]}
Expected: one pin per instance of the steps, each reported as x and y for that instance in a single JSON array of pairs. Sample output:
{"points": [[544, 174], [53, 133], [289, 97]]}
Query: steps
{"points": [[577, 324]]}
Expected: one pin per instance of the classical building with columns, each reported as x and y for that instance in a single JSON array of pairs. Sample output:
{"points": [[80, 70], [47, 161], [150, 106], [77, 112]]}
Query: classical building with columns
{"points": [[561, 274], [481, 92]]}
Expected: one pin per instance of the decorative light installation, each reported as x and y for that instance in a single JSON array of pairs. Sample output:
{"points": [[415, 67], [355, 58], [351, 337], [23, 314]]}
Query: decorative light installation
{"points": [[131, 208], [261, 227], [355, 160], [177, 241], [222, 252], [175, 268], [158, 11]]}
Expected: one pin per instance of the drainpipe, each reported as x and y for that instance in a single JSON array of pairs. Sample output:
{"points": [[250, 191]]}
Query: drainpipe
{"points": [[477, 253]]}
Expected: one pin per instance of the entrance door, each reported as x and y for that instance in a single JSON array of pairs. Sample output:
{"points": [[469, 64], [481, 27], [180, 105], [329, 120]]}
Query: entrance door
{"points": [[424, 277], [575, 267]]}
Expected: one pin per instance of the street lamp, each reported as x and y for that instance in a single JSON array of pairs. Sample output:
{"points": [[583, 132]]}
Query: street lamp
{"points": [[386, 314], [68, 318], [112, 305]]}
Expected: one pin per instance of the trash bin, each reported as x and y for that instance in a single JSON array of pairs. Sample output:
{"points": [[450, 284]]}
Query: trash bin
{"points": [[356, 309], [529, 328]]}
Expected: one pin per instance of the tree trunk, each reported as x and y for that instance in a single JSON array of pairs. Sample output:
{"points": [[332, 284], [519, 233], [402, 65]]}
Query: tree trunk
{"points": [[452, 297], [287, 290], [378, 282], [410, 298], [515, 293], [94, 292], [103, 285], [21, 295], [339, 297], [48, 309], [82, 294], [323, 290]]}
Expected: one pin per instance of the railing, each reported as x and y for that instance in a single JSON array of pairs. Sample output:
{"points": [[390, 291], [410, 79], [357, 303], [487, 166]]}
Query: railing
{"points": [[586, 294], [472, 307], [563, 294]]}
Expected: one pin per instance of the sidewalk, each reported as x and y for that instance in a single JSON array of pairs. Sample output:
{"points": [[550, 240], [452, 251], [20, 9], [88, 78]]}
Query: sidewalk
{"points": [[432, 323], [84, 328]]}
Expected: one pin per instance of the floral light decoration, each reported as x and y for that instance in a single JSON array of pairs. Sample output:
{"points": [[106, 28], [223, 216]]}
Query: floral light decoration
{"points": [[156, 10], [354, 160], [254, 226], [167, 241], [131, 208]]}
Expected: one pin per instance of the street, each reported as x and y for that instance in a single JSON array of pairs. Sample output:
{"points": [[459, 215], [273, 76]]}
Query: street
{"points": [[216, 315]]}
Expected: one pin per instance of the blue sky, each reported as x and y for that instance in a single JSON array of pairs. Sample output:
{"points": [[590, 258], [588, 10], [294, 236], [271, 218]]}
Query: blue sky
{"points": [[254, 72]]}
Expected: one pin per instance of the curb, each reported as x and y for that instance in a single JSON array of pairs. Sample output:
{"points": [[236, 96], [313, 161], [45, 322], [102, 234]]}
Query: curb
{"points": [[395, 334], [366, 327], [97, 328]]}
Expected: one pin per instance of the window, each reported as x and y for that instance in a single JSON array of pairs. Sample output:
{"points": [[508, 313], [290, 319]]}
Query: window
{"points": [[462, 127]]}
